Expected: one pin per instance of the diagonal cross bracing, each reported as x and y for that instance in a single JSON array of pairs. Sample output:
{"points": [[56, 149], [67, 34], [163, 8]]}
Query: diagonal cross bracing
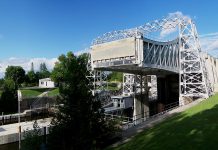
{"points": [[131, 51]]}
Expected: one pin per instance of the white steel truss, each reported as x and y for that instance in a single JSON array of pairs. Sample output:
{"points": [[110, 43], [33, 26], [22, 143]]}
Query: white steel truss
{"points": [[192, 76], [133, 84], [153, 88], [144, 30], [95, 77], [137, 84], [128, 84], [161, 55], [181, 55]]}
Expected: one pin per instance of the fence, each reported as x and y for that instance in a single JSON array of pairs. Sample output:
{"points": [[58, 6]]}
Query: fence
{"points": [[128, 122]]}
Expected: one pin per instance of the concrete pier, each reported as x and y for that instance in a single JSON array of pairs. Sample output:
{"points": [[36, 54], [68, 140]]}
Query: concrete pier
{"points": [[167, 90], [141, 105]]}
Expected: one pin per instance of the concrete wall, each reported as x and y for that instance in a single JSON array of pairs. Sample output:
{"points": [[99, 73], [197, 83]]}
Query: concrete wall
{"points": [[212, 68], [115, 49], [12, 137], [141, 104], [216, 84], [141, 107]]}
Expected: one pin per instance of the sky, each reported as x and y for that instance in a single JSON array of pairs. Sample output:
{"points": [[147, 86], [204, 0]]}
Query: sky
{"points": [[41, 30]]}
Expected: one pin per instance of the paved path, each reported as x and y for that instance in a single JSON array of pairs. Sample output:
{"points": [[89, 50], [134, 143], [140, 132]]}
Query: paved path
{"points": [[43, 94], [128, 134]]}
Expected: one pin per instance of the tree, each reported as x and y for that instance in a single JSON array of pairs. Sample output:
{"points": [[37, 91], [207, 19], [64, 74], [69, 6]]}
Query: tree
{"points": [[1, 83], [43, 71], [80, 122], [31, 78], [8, 99], [15, 73], [32, 138]]}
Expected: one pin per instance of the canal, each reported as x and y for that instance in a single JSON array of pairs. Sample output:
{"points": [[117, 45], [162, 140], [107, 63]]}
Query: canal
{"points": [[11, 146]]}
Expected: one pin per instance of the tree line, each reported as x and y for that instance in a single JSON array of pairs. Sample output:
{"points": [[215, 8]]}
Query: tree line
{"points": [[16, 77]]}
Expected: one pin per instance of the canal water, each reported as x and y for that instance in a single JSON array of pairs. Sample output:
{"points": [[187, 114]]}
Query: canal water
{"points": [[11, 146]]}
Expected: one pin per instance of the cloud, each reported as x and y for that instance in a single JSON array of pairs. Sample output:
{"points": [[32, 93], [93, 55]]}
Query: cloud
{"points": [[26, 63], [166, 30], [209, 43], [79, 52]]}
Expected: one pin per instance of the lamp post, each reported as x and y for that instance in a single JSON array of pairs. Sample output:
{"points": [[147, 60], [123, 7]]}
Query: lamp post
{"points": [[19, 94]]}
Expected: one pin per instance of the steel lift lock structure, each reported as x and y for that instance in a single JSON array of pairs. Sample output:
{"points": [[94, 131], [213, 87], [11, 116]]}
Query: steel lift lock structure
{"points": [[141, 57]]}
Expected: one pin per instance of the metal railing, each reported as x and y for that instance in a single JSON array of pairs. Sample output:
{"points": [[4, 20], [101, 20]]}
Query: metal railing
{"points": [[128, 122]]}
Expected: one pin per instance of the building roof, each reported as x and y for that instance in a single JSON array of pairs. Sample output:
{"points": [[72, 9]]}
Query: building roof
{"points": [[45, 79]]}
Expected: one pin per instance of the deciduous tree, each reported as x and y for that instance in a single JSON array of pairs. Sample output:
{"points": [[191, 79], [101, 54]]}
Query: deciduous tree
{"points": [[8, 100], [80, 122], [15, 73]]}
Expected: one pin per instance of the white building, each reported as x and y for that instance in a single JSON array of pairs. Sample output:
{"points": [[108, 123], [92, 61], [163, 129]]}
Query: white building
{"points": [[46, 83]]}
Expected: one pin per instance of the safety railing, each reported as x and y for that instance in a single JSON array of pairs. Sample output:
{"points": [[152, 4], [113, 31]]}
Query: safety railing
{"points": [[128, 122]]}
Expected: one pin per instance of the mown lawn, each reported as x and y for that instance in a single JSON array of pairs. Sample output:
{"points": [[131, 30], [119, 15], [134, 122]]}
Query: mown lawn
{"points": [[194, 129], [33, 92], [112, 88], [54, 92]]}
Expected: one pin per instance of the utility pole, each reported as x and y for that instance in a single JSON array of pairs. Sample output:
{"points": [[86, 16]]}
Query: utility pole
{"points": [[19, 94]]}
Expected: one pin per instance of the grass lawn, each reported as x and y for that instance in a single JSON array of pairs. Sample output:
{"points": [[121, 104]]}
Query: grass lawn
{"points": [[112, 88], [33, 92], [194, 129], [54, 92]]}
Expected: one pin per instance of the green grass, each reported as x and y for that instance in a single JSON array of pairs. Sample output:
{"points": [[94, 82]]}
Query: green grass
{"points": [[54, 92], [112, 88], [194, 129], [32, 92]]}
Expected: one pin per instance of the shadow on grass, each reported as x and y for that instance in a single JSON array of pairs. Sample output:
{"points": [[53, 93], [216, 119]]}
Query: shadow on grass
{"points": [[190, 130]]}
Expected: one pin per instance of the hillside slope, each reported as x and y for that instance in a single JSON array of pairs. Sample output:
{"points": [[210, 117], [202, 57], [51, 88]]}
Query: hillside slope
{"points": [[194, 129]]}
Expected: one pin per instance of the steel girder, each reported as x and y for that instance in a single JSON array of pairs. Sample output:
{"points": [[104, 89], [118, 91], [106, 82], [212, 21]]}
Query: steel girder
{"points": [[181, 55], [95, 77], [137, 84], [193, 80], [134, 84], [144, 30], [163, 56]]}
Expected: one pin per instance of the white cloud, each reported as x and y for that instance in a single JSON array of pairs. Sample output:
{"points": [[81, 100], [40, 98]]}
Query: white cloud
{"points": [[79, 52], [209, 43], [166, 30], [26, 63]]}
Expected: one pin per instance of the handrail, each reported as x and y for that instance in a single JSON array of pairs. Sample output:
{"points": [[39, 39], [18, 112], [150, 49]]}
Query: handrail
{"points": [[128, 122]]}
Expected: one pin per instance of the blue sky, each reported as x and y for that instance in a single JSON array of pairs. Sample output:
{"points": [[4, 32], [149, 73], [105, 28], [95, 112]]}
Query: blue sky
{"points": [[43, 29]]}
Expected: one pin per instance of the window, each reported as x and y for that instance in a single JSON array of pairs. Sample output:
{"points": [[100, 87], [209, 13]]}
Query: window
{"points": [[42, 82]]}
